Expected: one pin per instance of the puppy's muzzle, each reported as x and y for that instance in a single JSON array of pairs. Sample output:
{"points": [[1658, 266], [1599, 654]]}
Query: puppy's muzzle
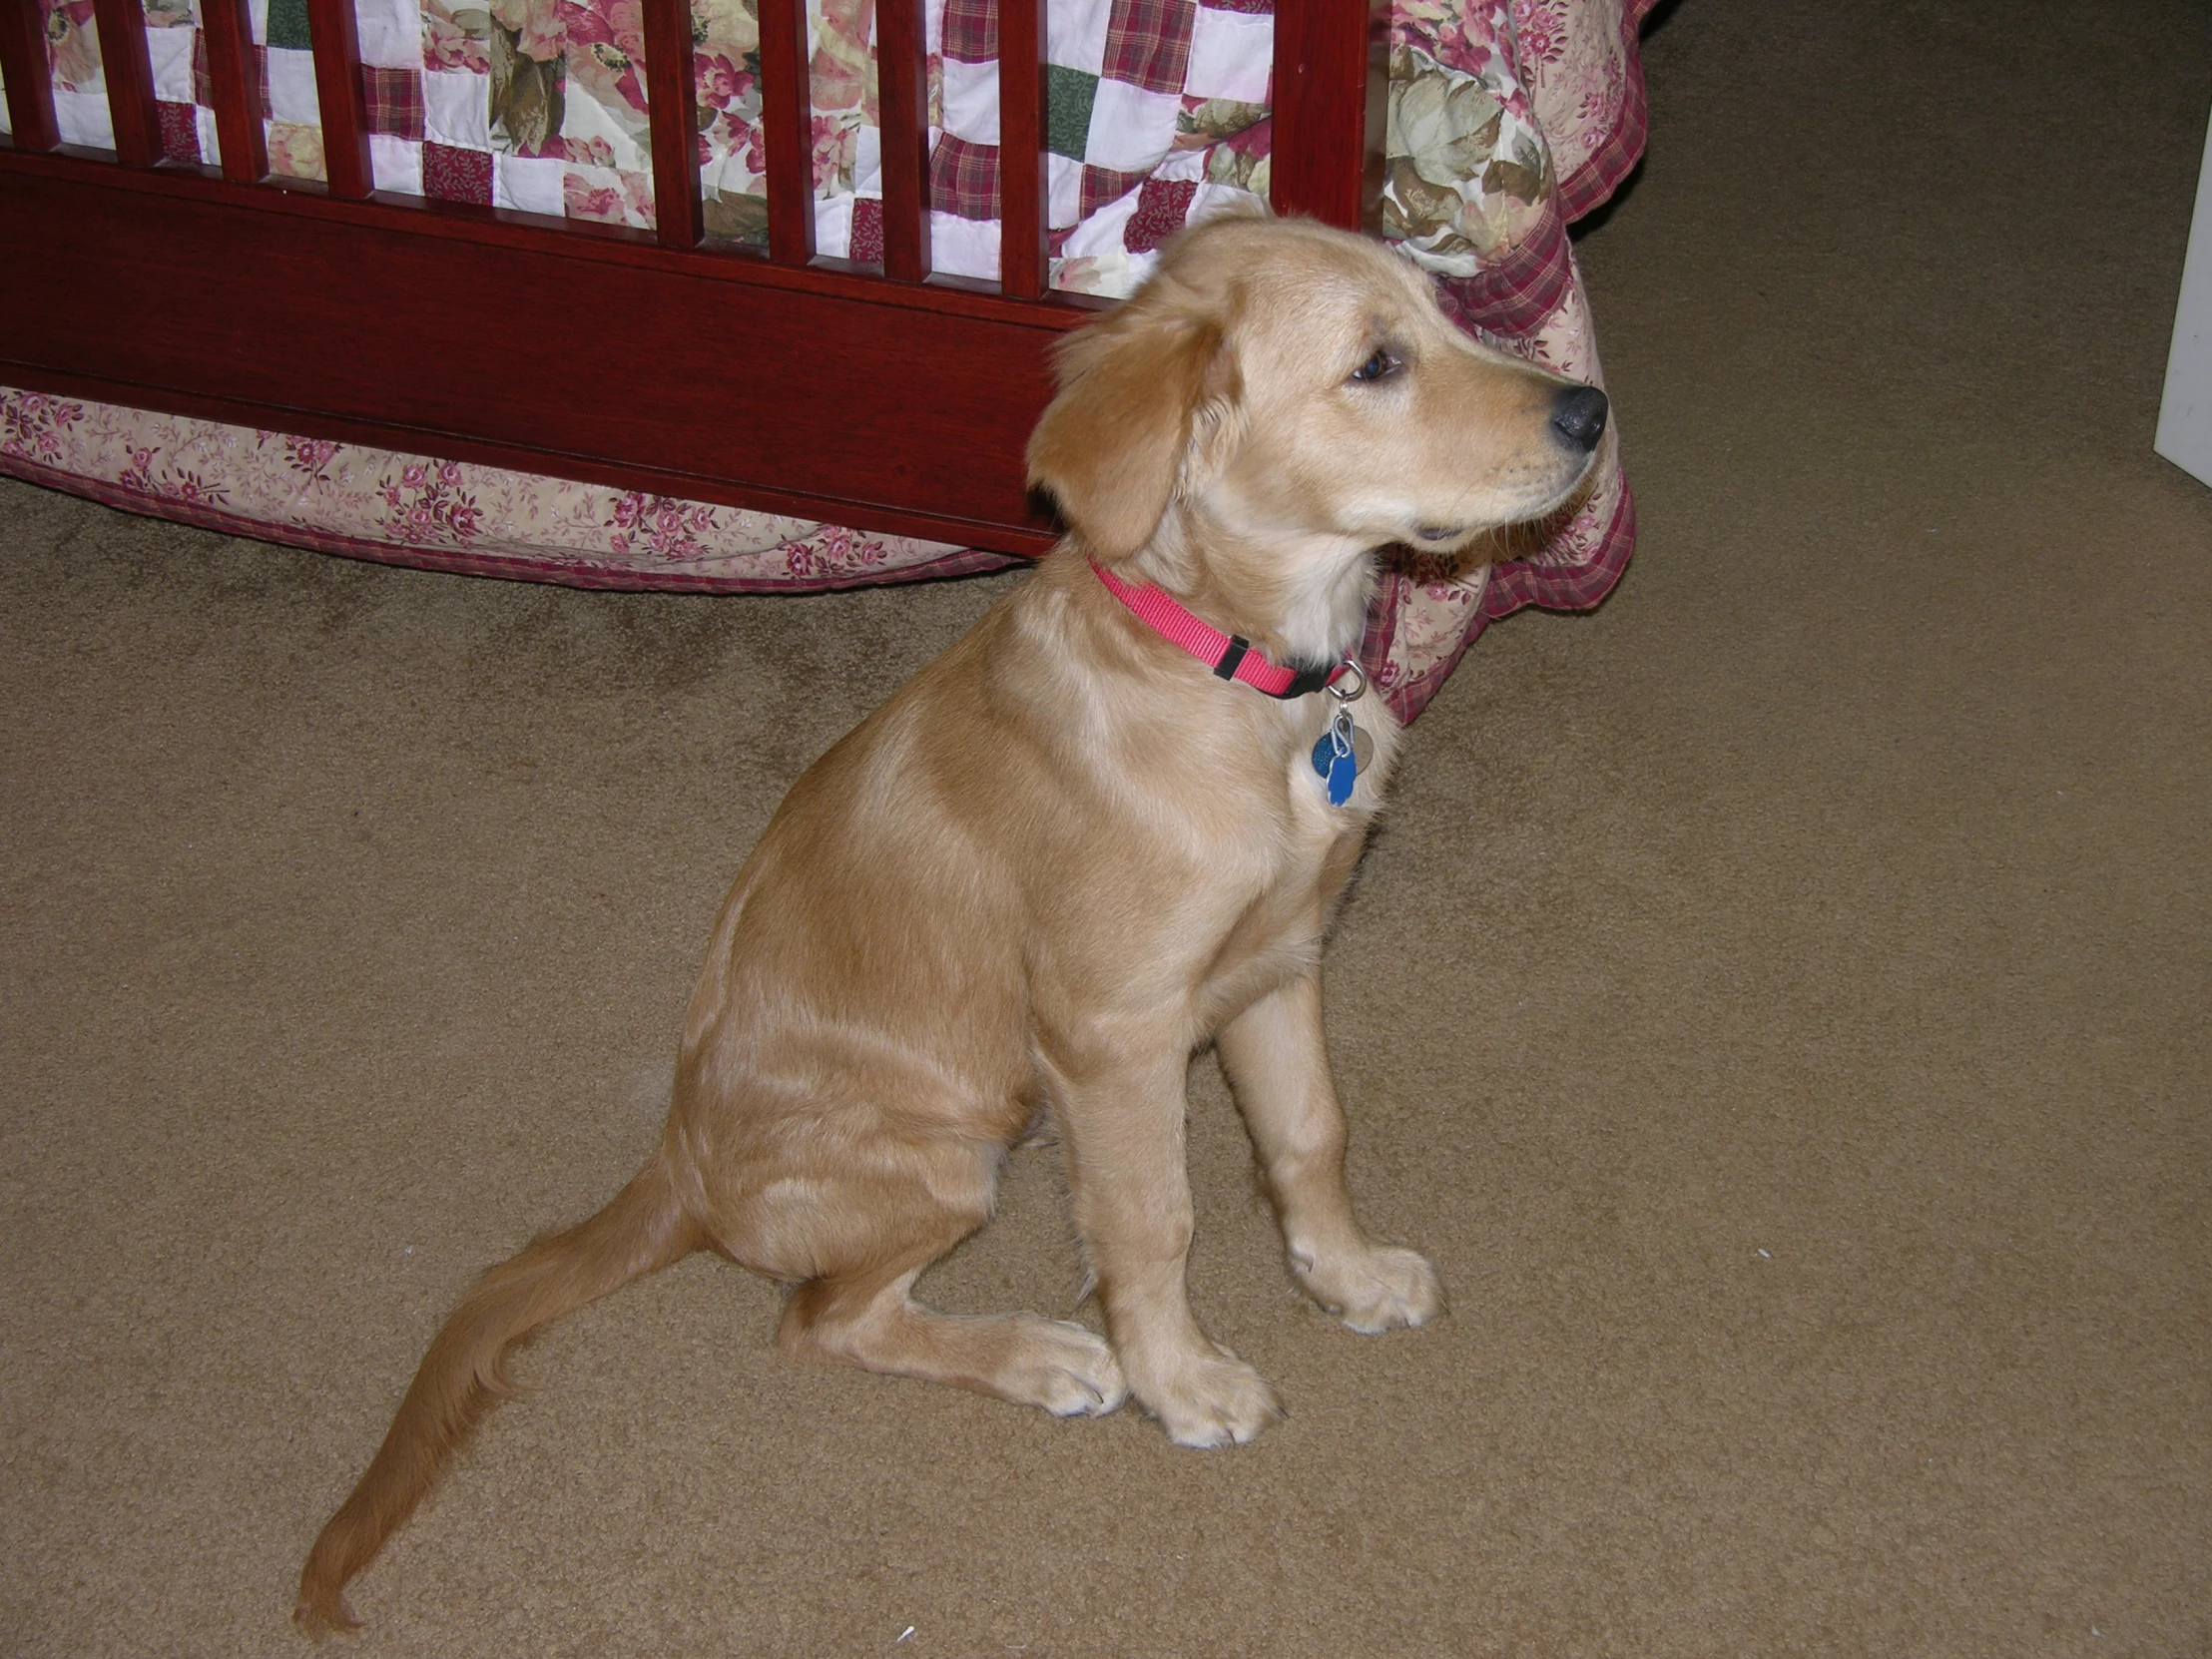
{"points": [[1578, 418]]}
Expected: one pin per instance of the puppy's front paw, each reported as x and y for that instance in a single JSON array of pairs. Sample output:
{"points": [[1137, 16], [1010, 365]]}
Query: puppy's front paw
{"points": [[1209, 1399], [1371, 1289]]}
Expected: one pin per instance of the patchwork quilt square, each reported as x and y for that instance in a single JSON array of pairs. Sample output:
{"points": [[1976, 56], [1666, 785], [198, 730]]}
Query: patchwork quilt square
{"points": [[1232, 55], [970, 102], [971, 31], [1075, 33], [285, 24], [1070, 97], [1132, 127], [1148, 44], [556, 84], [180, 131], [544, 186], [169, 51], [390, 33], [453, 173], [963, 178], [394, 98], [289, 76], [539, 105], [396, 163], [1127, 83], [456, 115]]}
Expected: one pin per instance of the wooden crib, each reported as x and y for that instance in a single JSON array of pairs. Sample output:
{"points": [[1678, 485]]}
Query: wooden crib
{"points": [[136, 280]]}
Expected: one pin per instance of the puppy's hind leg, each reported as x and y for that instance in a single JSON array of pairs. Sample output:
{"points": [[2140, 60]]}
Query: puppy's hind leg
{"points": [[861, 1312], [873, 1321]]}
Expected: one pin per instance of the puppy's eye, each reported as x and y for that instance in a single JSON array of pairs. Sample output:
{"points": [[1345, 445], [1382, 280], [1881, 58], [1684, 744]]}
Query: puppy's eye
{"points": [[1376, 367]]}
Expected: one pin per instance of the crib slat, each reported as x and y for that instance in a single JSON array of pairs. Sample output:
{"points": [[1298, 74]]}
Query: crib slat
{"points": [[902, 103], [224, 26], [30, 87], [1322, 140], [344, 100], [672, 108], [1021, 167], [129, 73], [788, 124]]}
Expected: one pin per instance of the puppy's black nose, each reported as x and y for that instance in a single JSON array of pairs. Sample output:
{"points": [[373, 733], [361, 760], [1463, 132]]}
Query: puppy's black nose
{"points": [[1579, 417]]}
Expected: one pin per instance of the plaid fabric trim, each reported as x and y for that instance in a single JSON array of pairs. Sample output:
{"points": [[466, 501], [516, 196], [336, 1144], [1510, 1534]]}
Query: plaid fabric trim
{"points": [[180, 131], [963, 178], [1511, 587], [1525, 287], [971, 30], [1561, 586], [1148, 42], [395, 99], [1102, 184], [1602, 169], [1266, 8]]}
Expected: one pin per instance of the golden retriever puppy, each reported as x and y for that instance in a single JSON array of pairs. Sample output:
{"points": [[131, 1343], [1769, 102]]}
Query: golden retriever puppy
{"points": [[1108, 826]]}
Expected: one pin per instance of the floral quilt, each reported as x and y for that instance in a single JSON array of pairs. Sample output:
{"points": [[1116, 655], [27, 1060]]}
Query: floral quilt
{"points": [[1508, 119]]}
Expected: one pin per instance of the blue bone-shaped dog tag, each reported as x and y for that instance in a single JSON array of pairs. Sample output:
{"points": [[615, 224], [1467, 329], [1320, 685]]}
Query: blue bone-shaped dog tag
{"points": [[1336, 761]]}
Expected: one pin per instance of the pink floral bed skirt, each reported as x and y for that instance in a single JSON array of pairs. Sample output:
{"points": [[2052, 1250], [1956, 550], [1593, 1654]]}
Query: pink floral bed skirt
{"points": [[440, 516], [1508, 119]]}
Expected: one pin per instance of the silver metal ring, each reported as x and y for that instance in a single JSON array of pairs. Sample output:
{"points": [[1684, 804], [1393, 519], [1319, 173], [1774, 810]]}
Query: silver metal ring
{"points": [[1358, 691]]}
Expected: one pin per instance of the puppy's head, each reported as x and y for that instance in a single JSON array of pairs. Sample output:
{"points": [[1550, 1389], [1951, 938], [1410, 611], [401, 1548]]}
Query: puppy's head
{"points": [[1292, 393], [1147, 392]]}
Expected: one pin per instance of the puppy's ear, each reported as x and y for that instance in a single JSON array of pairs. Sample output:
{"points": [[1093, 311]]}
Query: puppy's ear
{"points": [[1112, 447]]}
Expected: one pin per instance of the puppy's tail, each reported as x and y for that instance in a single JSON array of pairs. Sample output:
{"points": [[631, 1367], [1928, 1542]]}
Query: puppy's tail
{"points": [[463, 1376]]}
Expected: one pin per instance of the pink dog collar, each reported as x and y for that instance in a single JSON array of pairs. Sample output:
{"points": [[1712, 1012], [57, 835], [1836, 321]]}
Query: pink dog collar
{"points": [[1230, 656]]}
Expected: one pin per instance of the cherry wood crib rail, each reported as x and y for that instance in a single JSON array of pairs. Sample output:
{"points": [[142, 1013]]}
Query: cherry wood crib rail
{"points": [[892, 400]]}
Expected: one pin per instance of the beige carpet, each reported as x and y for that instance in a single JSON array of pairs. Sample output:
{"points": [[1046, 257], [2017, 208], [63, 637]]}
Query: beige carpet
{"points": [[1779, 1002]]}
